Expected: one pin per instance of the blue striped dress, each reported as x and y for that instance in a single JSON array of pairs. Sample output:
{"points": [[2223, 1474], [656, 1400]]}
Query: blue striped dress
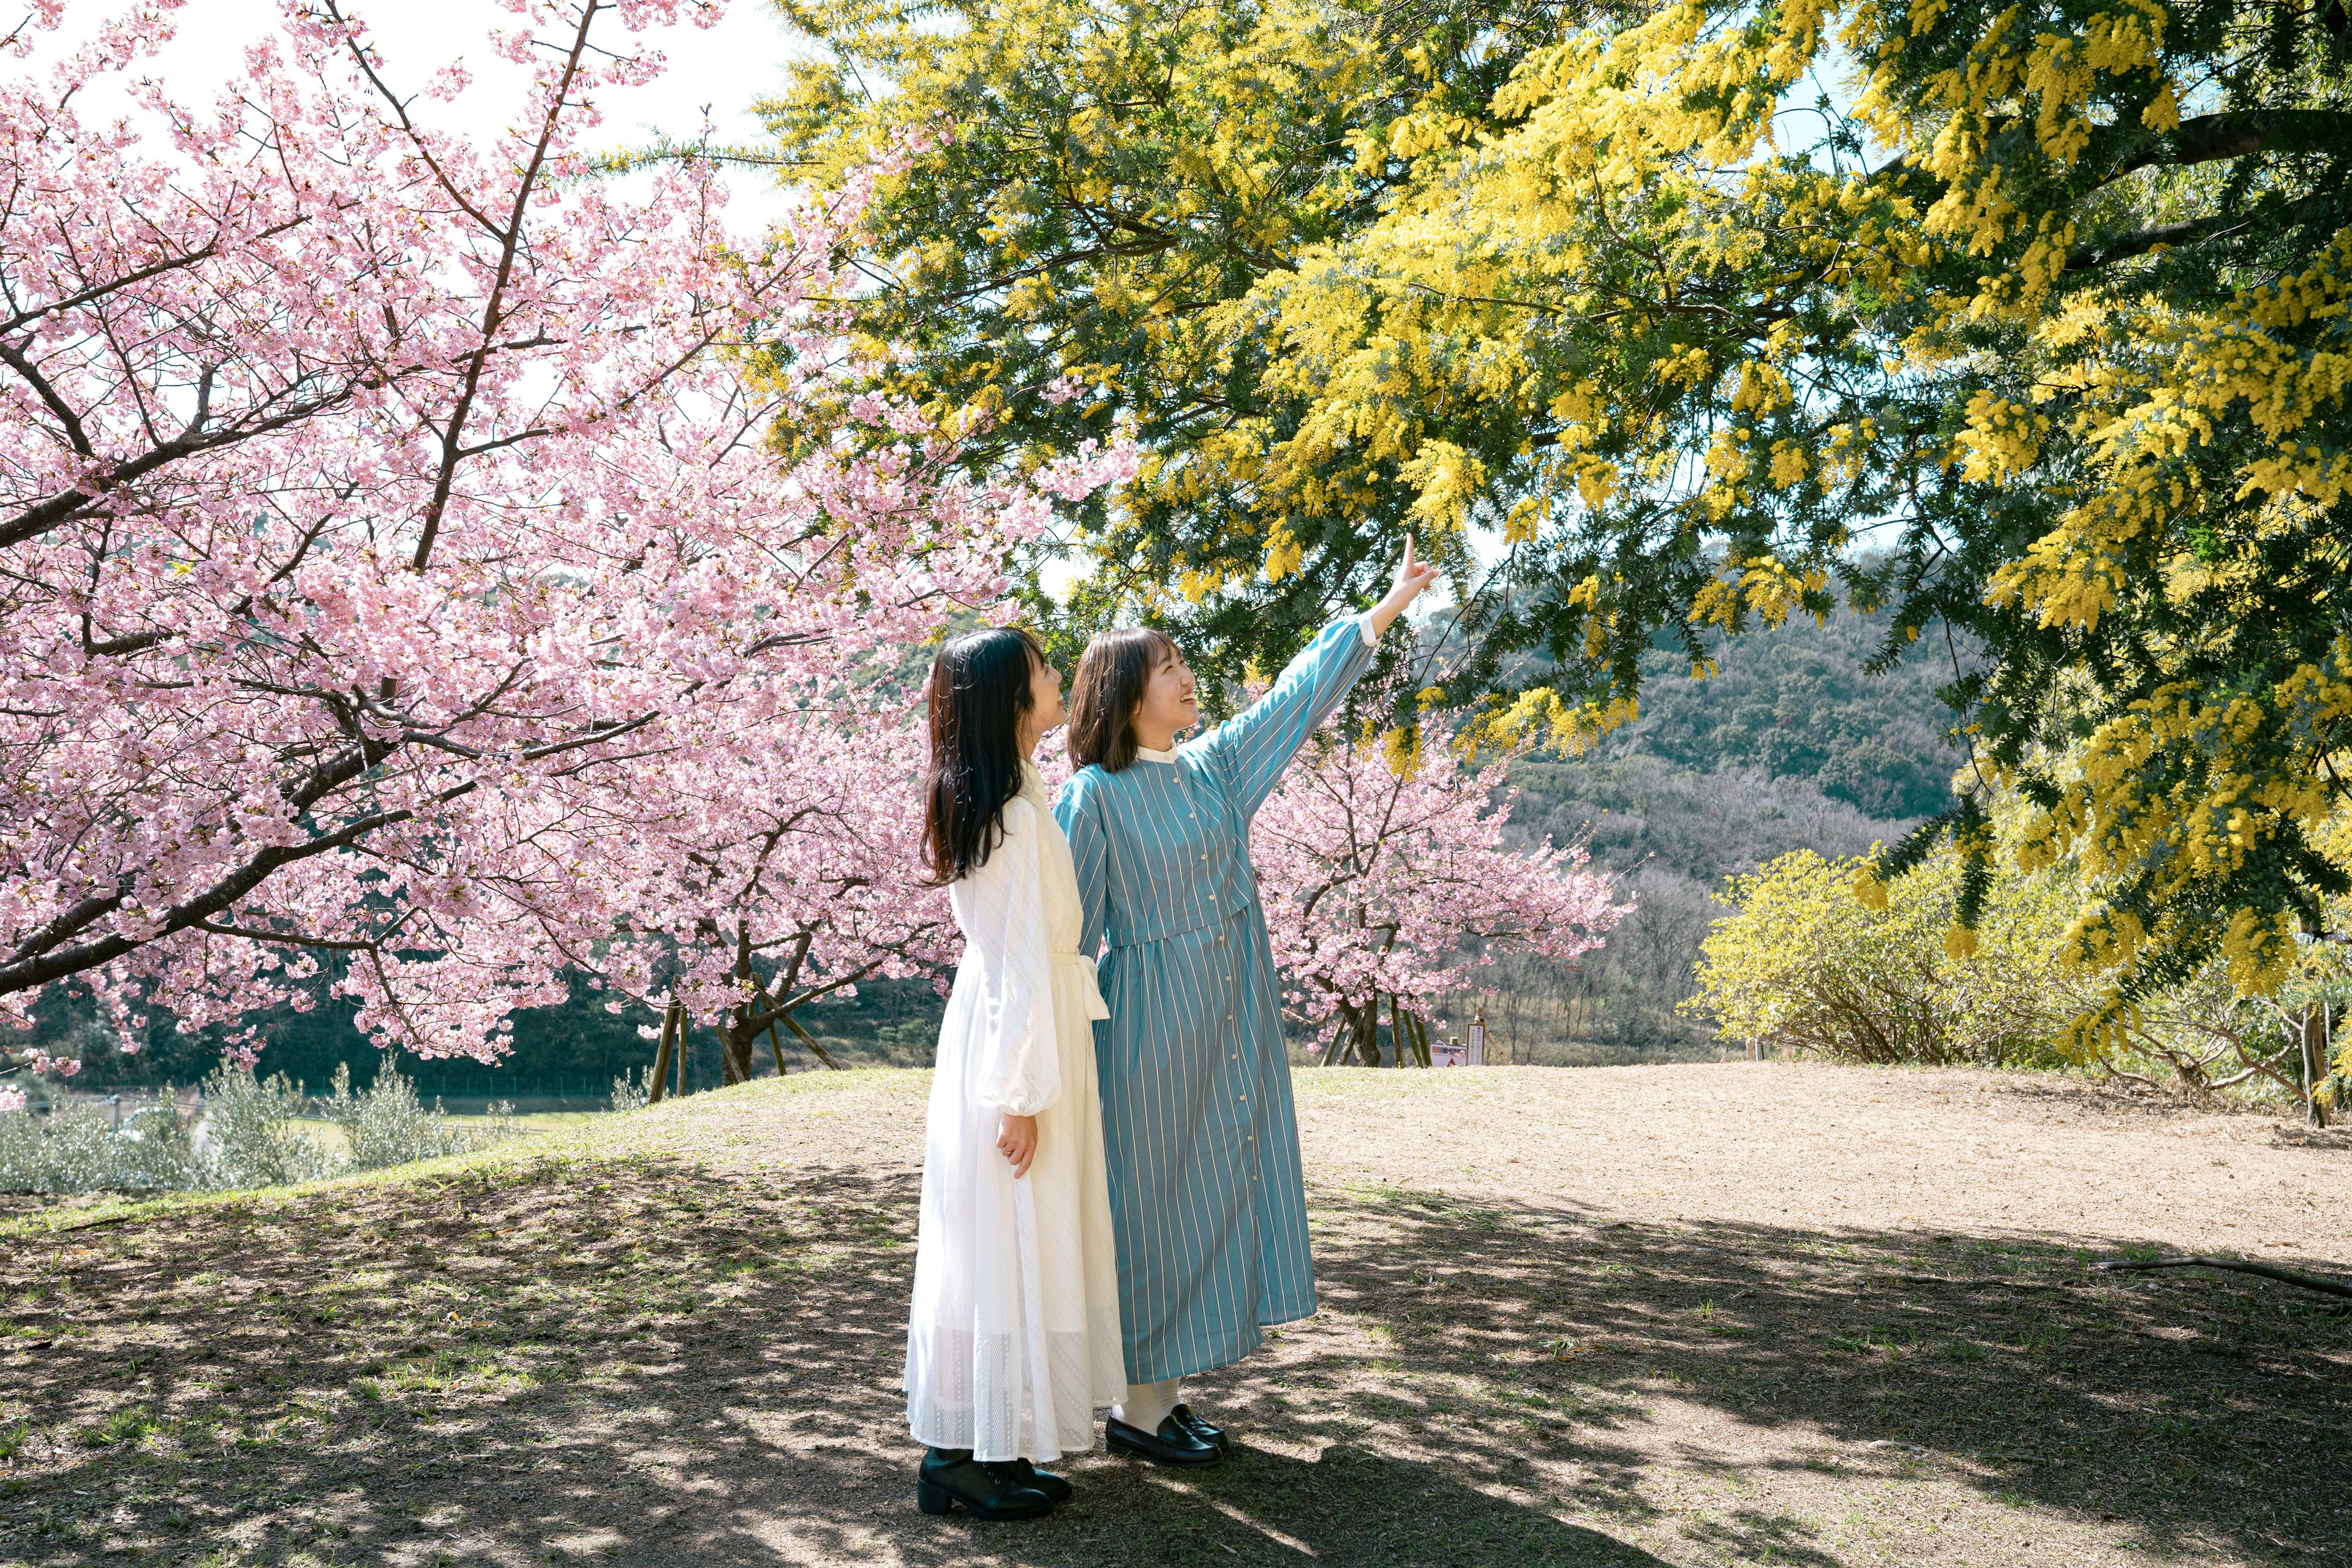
{"points": [[1208, 1205]]}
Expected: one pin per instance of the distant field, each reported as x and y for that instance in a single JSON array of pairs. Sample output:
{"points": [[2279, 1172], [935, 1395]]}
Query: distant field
{"points": [[1687, 1315]]}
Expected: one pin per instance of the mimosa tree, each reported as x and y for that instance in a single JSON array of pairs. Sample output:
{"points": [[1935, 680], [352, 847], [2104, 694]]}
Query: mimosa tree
{"points": [[2030, 324]]}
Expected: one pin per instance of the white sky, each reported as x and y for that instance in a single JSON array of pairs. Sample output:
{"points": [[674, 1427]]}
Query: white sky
{"points": [[725, 67]]}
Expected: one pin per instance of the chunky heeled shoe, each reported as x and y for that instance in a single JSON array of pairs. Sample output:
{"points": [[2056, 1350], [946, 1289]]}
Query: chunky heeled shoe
{"points": [[950, 1476], [1213, 1436], [1046, 1481], [1173, 1443]]}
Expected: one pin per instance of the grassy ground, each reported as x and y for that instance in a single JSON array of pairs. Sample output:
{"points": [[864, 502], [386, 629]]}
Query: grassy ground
{"points": [[674, 1337], [329, 1137]]}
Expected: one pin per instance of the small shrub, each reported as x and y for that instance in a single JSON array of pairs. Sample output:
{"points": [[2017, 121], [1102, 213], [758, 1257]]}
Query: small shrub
{"points": [[78, 1148], [385, 1124], [631, 1089], [1803, 962], [249, 1134], [249, 1137]]}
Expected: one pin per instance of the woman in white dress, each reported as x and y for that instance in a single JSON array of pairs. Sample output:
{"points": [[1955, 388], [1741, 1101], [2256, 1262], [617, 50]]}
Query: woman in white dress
{"points": [[1014, 1339]]}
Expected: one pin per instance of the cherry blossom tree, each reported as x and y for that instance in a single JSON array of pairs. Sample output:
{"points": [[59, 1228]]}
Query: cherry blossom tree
{"points": [[407, 545], [781, 868], [1385, 877]]}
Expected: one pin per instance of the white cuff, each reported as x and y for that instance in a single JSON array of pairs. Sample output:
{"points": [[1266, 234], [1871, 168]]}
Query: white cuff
{"points": [[1364, 624]]}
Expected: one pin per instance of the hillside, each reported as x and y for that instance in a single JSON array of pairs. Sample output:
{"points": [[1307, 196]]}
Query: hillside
{"points": [[1794, 745]]}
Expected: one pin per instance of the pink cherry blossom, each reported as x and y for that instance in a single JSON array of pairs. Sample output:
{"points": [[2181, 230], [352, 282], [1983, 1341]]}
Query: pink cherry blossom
{"points": [[1387, 878], [425, 552]]}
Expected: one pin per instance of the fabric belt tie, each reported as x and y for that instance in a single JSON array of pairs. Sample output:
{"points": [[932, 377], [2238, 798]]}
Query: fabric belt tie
{"points": [[1081, 969]]}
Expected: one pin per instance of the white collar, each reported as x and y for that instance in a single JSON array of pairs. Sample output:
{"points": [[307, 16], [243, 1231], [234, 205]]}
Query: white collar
{"points": [[1151, 754]]}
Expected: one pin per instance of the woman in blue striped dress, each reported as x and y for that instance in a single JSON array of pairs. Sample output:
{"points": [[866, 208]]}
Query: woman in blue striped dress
{"points": [[1208, 1205]]}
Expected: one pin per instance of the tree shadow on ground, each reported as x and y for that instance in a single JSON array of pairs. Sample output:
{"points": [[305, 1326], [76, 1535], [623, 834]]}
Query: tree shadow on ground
{"points": [[2184, 1413], [633, 1359]]}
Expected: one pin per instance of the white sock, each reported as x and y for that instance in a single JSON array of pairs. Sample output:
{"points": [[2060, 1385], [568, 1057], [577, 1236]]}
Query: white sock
{"points": [[1147, 1404]]}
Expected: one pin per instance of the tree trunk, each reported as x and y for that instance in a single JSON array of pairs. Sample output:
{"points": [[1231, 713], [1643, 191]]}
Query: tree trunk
{"points": [[1358, 1034], [2315, 1066], [735, 1044]]}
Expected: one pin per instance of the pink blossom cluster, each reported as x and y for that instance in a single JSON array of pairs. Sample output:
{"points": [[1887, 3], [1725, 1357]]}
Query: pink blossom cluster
{"points": [[1385, 873], [421, 551], [11, 1100]]}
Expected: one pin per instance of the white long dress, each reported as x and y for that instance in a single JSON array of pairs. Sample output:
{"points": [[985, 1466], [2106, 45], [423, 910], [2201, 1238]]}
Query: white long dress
{"points": [[1014, 1339]]}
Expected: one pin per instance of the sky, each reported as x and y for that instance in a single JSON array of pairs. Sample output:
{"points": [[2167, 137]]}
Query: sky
{"points": [[725, 67]]}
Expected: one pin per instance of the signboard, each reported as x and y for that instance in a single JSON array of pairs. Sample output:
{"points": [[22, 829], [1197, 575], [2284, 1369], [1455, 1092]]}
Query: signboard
{"points": [[1452, 1054], [1478, 1045]]}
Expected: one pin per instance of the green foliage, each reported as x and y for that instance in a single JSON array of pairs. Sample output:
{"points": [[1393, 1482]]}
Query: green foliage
{"points": [[247, 1132], [632, 1090], [249, 1136], [77, 1149], [1803, 964], [1800, 702]]}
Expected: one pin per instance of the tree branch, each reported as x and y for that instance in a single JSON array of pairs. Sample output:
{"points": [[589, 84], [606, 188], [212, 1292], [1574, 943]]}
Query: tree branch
{"points": [[2268, 1272], [2211, 138]]}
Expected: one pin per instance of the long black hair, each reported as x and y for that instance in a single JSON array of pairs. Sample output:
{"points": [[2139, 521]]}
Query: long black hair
{"points": [[979, 689]]}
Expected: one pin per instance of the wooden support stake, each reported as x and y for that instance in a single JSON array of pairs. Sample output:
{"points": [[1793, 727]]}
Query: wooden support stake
{"points": [[682, 1022], [776, 1043], [661, 1056], [809, 1041]]}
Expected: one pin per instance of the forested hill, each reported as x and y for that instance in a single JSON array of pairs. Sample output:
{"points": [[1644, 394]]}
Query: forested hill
{"points": [[1792, 744], [1796, 702]]}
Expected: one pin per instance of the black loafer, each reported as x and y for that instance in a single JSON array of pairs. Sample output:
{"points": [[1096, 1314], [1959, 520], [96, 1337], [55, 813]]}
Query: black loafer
{"points": [[1046, 1481], [1173, 1443], [950, 1476], [1213, 1436]]}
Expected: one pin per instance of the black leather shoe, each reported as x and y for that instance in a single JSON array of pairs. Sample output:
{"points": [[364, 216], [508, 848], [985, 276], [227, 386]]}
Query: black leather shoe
{"points": [[1173, 1443], [1213, 1436], [1046, 1481], [950, 1476]]}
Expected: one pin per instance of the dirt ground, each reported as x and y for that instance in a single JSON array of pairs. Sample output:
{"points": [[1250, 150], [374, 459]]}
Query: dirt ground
{"points": [[1692, 1314]]}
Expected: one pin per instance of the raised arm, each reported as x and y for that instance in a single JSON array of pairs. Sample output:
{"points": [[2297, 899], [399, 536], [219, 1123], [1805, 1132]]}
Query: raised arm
{"points": [[1257, 744], [1016, 1067]]}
